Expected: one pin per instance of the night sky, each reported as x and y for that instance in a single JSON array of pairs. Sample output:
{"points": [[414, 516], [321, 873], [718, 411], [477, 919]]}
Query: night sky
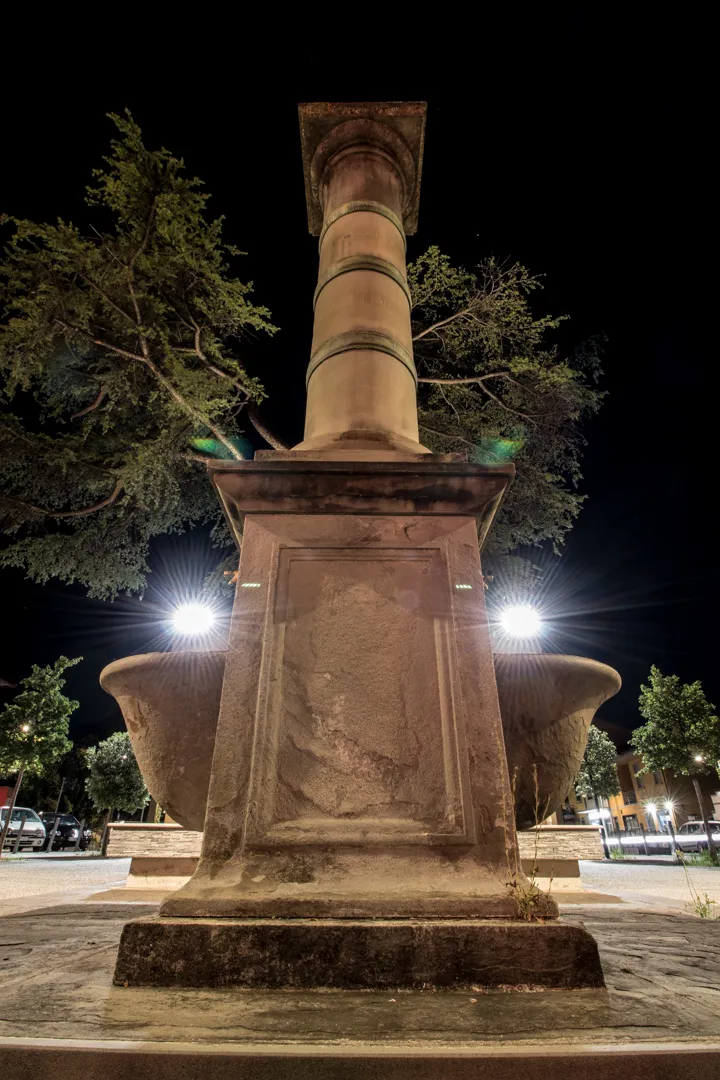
{"points": [[579, 146]]}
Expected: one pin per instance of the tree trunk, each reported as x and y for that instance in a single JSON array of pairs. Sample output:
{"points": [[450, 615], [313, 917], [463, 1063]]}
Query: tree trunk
{"points": [[11, 807], [712, 847]]}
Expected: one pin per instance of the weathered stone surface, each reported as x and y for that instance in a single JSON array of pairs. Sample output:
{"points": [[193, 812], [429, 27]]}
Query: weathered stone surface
{"points": [[547, 703], [171, 709], [359, 758], [345, 954]]}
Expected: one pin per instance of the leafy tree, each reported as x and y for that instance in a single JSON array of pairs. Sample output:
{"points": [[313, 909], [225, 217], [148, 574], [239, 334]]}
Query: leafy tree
{"points": [[681, 732], [65, 779], [598, 778], [123, 338], [34, 725], [119, 355], [492, 384], [114, 780]]}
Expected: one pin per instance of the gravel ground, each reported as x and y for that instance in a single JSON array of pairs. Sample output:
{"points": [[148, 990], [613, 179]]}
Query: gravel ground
{"points": [[650, 883], [33, 883]]}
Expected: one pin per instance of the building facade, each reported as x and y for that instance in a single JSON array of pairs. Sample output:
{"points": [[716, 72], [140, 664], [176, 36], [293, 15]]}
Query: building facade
{"points": [[647, 800]]}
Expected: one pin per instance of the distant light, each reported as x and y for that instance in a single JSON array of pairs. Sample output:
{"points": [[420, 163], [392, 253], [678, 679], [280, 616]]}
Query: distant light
{"points": [[651, 808], [25, 728], [521, 621], [699, 757], [669, 805], [193, 619]]}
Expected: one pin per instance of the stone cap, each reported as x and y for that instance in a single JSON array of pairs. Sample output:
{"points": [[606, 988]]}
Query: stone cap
{"points": [[389, 488], [398, 125]]}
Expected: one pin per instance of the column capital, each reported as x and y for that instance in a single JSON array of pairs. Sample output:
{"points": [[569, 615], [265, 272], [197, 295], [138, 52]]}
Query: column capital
{"points": [[396, 129]]}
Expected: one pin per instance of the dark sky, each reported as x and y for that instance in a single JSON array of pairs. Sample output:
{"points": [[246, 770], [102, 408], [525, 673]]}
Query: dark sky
{"points": [[577, 144]]}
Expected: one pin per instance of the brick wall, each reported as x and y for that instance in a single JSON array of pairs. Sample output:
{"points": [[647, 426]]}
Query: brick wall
{"points": [[172, 841]]}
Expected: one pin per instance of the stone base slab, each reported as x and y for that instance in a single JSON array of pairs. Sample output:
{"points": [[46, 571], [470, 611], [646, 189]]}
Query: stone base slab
{"points": [[68, 1059], [355, 955]]}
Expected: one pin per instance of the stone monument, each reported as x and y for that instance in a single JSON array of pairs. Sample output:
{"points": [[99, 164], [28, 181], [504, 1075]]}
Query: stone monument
{"points": [[359, 828]]}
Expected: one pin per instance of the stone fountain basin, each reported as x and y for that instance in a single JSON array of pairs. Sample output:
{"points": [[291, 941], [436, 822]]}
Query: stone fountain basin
{"points": [[171, 701], [548, 702]]}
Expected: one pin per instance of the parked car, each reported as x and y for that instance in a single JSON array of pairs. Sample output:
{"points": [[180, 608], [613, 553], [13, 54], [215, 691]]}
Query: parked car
{"points": [[66, 834], [32, 836], [692, 836]]}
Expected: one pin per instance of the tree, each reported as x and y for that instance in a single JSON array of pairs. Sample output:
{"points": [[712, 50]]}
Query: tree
{"points": [[34, 725], [119, 354], [114, 780], [598, 778], [491, 384], [124, 338], [681, 732]]}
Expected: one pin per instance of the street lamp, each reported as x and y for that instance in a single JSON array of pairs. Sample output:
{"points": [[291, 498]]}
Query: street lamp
{"points": [[25, 728], [521, 621], [193, 620]]}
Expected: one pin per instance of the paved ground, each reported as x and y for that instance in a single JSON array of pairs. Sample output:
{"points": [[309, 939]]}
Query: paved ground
{"points": [[662, 974], [26, 884], [664, 886]]}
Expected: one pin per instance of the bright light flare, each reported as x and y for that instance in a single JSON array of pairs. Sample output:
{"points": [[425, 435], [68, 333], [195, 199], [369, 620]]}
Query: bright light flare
{"points": [[521, 621], [25, 728], [193, 620], [669, 805], [651, 808]]}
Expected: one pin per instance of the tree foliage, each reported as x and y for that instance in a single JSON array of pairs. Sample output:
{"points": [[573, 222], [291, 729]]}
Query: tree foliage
{"points": [[492, 384], [598, 775], [34, 725], [118, 349], [681, 730], [119, 370], [114, 780]]}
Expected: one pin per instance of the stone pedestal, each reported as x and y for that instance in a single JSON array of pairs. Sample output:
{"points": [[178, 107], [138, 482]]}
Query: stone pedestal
{"points": [[359, 770], [359, 765]]}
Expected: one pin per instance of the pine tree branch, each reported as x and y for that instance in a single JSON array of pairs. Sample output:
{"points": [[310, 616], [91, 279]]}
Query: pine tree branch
{"points": [[175, 394], [253, 415], [442, 322], [479, 379], [92, 406], [446, 434], [117, 491]]}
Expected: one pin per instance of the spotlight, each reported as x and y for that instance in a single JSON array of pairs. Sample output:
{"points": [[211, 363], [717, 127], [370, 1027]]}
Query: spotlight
{"points": [[193, 620], [521, 621]]}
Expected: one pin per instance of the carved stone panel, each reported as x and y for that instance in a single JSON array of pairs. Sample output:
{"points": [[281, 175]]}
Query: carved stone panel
{"points": [[356, 721]]}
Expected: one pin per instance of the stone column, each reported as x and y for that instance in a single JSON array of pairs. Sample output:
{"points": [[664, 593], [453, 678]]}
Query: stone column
{"points": [[362, 171]]}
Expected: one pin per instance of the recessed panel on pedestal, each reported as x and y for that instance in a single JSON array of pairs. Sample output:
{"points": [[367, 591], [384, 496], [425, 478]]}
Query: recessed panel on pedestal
{"points": [[357, 712]]}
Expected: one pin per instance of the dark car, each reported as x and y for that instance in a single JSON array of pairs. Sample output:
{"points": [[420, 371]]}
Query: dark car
{"points": [[66, 834]]}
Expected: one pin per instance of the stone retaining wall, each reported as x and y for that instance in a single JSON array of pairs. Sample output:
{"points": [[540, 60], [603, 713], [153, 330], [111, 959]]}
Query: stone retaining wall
{"points": [[153, 841], [562, 842], [558, 842]]}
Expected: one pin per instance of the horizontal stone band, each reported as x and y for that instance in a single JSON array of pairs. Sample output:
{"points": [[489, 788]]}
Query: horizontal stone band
{"points": [[361, 339], [363, 262], [367, 208]]}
